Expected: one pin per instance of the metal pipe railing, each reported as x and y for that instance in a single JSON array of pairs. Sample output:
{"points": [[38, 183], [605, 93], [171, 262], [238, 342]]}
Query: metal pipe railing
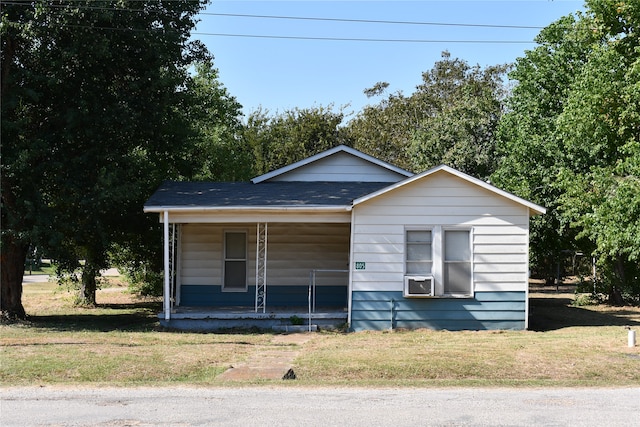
{"points": [[312, 289]]}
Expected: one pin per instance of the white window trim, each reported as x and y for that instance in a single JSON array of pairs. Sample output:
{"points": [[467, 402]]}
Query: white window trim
{"points": [[471, 285], [224, 259], [437, 256]]}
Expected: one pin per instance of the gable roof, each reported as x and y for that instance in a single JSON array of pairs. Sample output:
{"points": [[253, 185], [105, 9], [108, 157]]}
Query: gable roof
{"points": [[326, 154], [533, 208], [183, 196]]}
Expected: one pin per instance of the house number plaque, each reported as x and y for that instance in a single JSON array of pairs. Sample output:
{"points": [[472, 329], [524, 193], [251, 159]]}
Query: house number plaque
{"points": [[360, 265]]}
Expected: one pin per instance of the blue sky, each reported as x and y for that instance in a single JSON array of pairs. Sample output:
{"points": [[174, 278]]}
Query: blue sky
{"points": [[279, 74]]}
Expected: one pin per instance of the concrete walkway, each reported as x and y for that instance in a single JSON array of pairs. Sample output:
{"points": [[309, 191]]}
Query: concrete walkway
{"points": [[270, 364]]}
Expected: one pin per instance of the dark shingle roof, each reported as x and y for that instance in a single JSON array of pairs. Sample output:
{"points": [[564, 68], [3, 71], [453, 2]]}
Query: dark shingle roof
{"points": [[272, 194]]}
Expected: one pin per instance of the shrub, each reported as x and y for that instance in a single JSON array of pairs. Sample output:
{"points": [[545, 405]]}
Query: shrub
{"points": [[145, 283]]}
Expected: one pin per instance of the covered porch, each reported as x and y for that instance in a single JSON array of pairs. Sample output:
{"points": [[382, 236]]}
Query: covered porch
{"points": [[272, 275]]}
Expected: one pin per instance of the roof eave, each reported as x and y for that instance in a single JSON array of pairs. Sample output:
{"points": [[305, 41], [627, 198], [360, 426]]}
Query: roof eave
{"points": [[213, 209]]}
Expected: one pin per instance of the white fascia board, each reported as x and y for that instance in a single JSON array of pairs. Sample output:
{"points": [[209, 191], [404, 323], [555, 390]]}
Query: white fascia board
{"points": [[334, 150], [257, 209], [533, 208]]}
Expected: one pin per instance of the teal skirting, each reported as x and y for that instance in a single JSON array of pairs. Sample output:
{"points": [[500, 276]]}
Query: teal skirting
{"points": [[486, 310], [277, 296]]}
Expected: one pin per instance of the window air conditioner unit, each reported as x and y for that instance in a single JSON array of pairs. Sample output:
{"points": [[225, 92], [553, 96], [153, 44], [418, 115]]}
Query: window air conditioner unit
{"points": [[418, 286]]}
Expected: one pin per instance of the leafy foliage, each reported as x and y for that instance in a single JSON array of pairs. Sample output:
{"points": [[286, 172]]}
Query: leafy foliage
{"points": [[450, 119], [94, 115], [292, 136], [384, 130], [218, 149], [570, 141], [460, 131]]}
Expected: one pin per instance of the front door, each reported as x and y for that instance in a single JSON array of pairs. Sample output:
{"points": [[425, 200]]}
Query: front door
{"points": [[235, 261]]}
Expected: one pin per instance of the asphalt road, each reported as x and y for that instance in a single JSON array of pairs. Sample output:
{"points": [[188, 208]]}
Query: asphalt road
{"points": [[309, 407]]}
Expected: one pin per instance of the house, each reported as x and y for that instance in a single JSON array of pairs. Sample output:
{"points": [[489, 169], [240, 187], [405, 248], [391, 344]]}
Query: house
{"points": [[343, 237]]}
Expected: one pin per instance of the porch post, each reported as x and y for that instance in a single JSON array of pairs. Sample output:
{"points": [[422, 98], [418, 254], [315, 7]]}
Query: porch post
{"points": [[167, 268], [261, 266], [351, 266]]}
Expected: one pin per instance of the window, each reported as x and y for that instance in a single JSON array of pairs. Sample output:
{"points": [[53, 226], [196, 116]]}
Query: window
{"points": [[235, 261], [457, 262], [439, 260], [419, 252]]}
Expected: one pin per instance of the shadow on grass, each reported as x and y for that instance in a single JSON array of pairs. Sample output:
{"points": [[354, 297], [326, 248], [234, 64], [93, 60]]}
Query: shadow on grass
{"points": [[134, 317], [124, 317], [547, 314]]}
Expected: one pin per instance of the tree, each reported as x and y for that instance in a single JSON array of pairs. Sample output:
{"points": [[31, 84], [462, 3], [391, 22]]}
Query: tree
{"points": [[600, 128], [529, 147], [451, 118], [570, 141], [218, 144], [93, 114], [384, 130], [215, 151], [292, 136], [466, 105]]}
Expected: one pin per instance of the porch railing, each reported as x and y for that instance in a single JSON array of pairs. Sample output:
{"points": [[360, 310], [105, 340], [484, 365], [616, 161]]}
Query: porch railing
{"points": [[312, 289]]}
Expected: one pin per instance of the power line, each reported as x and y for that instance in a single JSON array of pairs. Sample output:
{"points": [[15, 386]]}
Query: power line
{"points": [[364, 39], [303, 18], [93, 27], [347, 39], [266, 36], [374, 21]]}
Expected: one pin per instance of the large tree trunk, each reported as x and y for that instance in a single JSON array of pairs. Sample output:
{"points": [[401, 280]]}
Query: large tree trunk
{"points": [[88, 285], [12, 259], [13, 253], [615, 296]]}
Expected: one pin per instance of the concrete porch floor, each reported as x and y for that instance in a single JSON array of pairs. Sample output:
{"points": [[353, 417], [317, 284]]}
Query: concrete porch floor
{"points": [[286, 319]]}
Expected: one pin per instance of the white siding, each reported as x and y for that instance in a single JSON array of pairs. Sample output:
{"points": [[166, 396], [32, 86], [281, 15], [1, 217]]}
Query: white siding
{"points": [[296, 249], [293, 250], [202, 253], [341, 167], [500, 232]]}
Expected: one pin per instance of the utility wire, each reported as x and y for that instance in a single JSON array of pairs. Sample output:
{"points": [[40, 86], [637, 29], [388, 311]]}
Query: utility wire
{"points": [[373, 21], [265, 36], [94, 27], [365, 39], [303, 18]]}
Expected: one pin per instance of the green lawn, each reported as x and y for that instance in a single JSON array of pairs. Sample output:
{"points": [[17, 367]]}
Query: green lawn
{"points": [[120, 343]]}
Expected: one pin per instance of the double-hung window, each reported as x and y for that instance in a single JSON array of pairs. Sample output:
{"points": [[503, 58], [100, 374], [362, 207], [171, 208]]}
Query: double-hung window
{"points": [[418, 281], [440, 257], [457, 262], [419, 252]]}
